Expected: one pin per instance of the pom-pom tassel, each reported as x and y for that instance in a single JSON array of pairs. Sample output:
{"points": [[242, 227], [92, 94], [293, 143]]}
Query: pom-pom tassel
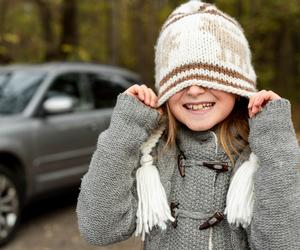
{"points": [[153, 208], [240, 196]]}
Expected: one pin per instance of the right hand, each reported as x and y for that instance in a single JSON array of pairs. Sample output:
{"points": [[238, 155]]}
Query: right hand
{"points": [[145, 95]]}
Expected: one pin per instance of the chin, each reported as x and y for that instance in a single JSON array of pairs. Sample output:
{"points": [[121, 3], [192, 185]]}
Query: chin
{"points": [[197, 127]]}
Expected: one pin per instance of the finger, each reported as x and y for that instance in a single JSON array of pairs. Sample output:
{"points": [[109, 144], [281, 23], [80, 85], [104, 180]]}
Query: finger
{"points": [[273, 95], [255, 108], [146, 94], [259, 100], [132, 90], [254, 98], [250, 113], [153, 98], [141, 94], [254, 101], [267, 98], [150, 96], [263, 99], [251, 100]]}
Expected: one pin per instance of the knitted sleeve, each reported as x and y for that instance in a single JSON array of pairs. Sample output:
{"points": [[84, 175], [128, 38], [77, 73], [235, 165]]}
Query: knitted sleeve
{"points": [[106, 207], [276, 212]]}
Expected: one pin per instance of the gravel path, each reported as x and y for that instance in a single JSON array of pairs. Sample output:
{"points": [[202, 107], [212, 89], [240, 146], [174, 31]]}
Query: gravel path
{"points": [[52, 225]]}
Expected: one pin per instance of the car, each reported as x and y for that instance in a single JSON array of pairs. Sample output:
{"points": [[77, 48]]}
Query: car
{"points": [[50, 117]]}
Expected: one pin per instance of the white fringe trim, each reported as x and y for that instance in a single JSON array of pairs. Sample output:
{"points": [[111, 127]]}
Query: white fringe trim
{"points": [[153, 208], [240, 196]]}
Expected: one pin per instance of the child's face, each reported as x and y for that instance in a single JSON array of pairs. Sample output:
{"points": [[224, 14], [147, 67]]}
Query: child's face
{"points": [[201, 108]]}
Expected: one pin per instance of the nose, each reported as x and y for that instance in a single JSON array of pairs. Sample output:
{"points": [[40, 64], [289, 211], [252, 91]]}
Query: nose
{"points": [[195, 90]]}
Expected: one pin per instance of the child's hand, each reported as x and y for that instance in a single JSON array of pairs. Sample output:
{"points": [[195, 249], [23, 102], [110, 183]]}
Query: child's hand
{"points": [[145, 95], [259, 100]]}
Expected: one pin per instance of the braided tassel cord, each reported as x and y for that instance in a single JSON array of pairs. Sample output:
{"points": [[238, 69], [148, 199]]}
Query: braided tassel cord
{"points": [[153, 208], [240, 196]]}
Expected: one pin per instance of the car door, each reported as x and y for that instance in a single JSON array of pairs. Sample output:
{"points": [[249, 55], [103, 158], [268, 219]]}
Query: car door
{"points": [[104, 91], [64, 143]]}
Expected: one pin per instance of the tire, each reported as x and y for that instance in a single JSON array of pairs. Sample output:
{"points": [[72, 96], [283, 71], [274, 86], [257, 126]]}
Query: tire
{"points": [[10, 204]]}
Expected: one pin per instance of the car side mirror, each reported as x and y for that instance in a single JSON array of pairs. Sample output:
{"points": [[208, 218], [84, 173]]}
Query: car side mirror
{"points": [[59, 104]]}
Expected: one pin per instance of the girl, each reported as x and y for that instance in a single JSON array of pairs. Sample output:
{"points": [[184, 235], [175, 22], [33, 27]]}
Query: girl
{"points": [[218, 158]]}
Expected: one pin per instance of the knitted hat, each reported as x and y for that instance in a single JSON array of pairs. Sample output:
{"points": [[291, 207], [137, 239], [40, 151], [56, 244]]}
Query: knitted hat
{"points": [[199, 44]]}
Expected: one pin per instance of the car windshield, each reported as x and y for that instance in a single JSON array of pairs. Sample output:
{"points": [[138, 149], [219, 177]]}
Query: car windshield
{"points": [[17, 88]]}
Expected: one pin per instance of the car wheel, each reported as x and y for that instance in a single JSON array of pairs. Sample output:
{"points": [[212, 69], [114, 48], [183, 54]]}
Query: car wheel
{"points": [[10, 204]]}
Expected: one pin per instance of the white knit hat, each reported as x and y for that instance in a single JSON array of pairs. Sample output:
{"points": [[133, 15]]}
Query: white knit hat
{"points": [[199, 44]]}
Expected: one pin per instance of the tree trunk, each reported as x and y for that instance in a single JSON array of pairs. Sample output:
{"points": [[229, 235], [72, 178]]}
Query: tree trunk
{"points": [[4, 56], [113, 32], [3, 8], [239, 9], [138, 36], [284, 70], [69, 36], [152, 31], [45, 17]]}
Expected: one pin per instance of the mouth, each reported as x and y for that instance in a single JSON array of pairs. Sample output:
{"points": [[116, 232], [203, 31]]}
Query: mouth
{"points": [[199, 106]]}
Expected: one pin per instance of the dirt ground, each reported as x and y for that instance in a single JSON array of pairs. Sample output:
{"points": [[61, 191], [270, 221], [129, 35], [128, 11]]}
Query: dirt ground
{"points": [[52, 225]]}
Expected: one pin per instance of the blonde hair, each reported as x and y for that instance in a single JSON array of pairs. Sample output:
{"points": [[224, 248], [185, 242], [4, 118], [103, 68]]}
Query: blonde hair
{"points": [[232, 132]]}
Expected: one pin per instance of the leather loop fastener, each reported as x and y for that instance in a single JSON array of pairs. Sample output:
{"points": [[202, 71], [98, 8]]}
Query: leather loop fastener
{"points": [[213, 220], [215, 165], [174, 205]]}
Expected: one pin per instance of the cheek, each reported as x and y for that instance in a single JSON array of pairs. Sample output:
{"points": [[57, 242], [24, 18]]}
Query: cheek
{"points": [[175, 110], [173, 104], [227, 107]]}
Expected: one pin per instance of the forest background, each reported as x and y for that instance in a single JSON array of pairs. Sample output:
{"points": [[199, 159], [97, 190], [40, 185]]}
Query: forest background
{"points": [[124, 32]]}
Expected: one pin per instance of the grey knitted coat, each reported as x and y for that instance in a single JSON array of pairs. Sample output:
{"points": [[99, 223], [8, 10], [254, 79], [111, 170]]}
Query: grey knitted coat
{"points": [[107, 202]]}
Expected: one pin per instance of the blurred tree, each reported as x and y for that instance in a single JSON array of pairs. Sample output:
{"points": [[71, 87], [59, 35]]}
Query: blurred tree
{"points": [[4, 56], [175, 3], [124, 33], [69, 35], [137, 12], [45, 17], [113, 31]]}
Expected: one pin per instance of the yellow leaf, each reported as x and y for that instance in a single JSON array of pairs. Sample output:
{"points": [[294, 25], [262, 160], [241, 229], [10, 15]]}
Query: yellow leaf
{"points": [[83, 55], [11, 38], [67, 48], [3, 50]]}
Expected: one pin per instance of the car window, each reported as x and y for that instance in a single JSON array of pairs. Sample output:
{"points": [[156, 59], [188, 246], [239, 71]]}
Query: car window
{"points": [[17, 89], [71, 85], [105, 90], [3, 77]]}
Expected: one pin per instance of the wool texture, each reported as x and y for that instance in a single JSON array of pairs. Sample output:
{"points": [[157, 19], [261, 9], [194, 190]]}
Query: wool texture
{"points": [[107, 204], [199, 44]]}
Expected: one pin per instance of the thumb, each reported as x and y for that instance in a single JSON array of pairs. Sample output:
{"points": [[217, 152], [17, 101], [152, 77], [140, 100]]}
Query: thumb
{"points": [[160, 110]]}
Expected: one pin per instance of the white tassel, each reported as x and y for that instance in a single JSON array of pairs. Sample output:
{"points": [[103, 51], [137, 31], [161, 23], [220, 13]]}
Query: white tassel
{"points": [[240, 196], [153, 208]]}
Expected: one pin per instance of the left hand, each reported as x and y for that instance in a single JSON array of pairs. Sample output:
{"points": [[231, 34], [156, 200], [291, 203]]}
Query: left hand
{"points": [[259, 100]]}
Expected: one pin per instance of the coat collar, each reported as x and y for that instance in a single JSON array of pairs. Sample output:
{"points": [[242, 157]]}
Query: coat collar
{"points": [[200, 145]]}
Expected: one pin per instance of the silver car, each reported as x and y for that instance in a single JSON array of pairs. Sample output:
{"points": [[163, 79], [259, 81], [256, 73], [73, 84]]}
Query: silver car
{"points": [[50, 118]]}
